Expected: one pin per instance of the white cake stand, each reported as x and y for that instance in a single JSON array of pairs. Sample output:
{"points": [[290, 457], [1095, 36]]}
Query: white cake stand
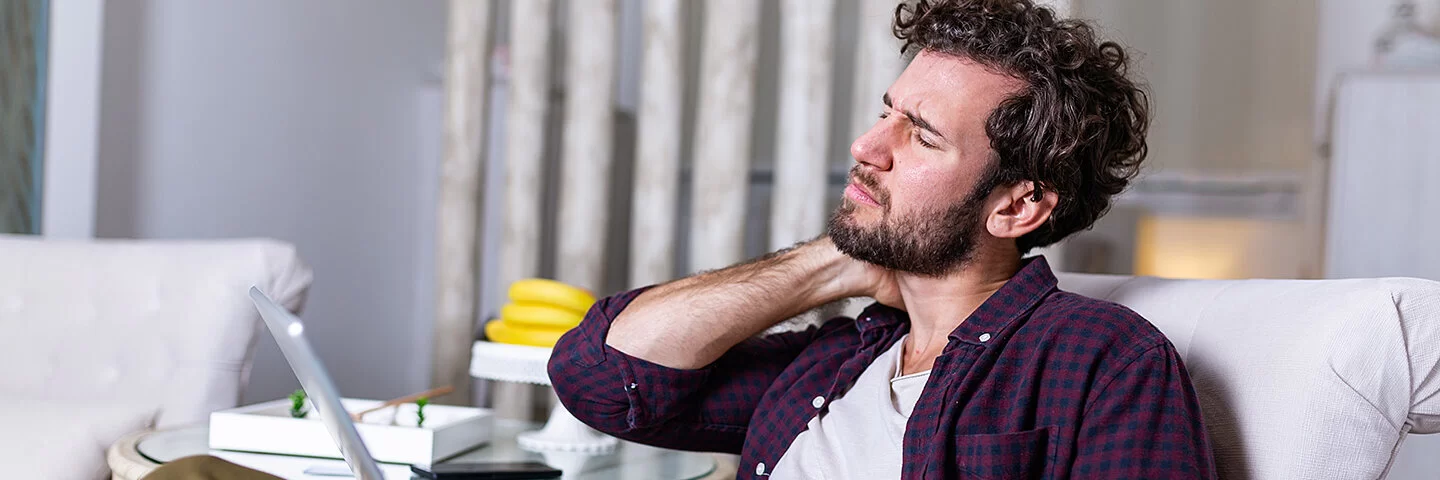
{"points": [[524, 364]]}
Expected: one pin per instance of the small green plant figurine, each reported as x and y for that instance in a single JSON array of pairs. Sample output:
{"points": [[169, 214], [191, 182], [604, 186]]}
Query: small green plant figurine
{"points": [[297, 404], [420, 404]]}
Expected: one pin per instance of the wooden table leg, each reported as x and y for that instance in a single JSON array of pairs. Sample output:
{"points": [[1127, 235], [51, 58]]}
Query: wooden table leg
{"points": [[125, 460]]}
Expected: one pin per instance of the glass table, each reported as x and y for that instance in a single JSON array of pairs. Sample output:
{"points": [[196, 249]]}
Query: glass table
{"points": [[629, 461]]}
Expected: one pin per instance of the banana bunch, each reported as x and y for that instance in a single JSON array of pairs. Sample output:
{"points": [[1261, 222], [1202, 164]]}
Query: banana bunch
{"points": [[539, 312]]}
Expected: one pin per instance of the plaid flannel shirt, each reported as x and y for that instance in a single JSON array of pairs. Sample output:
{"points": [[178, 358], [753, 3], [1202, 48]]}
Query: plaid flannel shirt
{"points": [[1036, 383]]}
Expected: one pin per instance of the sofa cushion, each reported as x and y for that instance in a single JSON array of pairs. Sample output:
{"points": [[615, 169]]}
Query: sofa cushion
{"points": [[64, 440], [1296, 378]]}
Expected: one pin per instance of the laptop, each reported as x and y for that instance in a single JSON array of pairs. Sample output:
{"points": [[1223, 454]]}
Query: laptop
{"points": [[289, 333]]}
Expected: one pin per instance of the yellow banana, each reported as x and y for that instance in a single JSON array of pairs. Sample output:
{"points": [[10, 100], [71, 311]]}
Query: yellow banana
{"points": [[550, 292], [539, 316], [501, 332]]}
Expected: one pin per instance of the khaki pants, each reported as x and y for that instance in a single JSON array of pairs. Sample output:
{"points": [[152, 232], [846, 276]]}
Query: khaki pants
{"points": [[205, 467]]}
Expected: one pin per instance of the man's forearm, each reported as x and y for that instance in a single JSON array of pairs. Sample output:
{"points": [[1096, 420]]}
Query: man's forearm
{"points": [[691, 322]]}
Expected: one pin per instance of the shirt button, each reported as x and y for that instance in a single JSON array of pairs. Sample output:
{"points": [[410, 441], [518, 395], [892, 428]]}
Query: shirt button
{"points": [[760, 468], [984, 337], [818, 402]]}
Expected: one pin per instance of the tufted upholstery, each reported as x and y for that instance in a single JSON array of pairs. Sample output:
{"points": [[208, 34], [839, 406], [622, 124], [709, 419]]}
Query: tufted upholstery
{"points": [[1298, 379], [159, 325]]}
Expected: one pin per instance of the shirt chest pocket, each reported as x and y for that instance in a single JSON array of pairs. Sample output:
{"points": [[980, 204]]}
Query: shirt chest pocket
{"points": [[1007, 456]]}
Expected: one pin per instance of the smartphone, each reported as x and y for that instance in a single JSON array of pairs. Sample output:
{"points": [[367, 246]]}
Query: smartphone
{"points": [[487, 471]]}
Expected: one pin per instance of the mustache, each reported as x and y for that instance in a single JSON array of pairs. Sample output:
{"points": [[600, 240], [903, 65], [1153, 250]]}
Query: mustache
{"points": [[868, 181]]}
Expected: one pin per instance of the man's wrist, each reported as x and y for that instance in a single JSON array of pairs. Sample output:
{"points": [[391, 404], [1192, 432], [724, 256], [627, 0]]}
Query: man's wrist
{"points": [[832, 275]]}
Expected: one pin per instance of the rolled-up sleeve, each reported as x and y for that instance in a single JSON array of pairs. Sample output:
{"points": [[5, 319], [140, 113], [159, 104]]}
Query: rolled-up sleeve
{"points": [[705, 409]]}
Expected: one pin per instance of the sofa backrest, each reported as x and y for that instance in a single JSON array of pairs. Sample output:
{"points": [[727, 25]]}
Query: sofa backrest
{"points": [[1298, 378], [162, 323]]}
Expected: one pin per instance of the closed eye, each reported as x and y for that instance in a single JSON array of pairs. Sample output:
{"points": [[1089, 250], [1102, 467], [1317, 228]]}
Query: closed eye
{"points": [[921, 138], [918, 137]]}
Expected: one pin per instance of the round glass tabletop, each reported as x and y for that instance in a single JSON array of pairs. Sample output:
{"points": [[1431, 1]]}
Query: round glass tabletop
{"points": [[629, 461]]}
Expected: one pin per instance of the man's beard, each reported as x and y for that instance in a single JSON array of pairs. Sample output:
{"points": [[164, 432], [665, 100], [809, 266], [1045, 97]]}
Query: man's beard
{"points": [[929, 243]]}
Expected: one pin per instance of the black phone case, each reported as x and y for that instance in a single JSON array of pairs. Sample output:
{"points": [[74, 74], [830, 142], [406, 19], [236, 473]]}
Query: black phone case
{"points": [[489, 471]]}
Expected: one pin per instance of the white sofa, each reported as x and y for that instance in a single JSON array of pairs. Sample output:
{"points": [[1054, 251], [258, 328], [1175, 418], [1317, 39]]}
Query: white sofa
{"points": [[102, 338], [1299, 379]]}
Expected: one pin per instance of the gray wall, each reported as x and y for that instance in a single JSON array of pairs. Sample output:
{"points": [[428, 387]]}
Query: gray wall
{"points": [[1231, 81], [314, 122]]}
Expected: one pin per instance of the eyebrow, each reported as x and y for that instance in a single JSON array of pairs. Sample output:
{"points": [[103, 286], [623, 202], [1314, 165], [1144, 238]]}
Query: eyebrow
{"points": [[915, 118]]}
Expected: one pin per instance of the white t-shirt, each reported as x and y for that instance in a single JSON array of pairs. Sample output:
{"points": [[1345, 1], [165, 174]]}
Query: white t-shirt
{"points": [[862, 434]]}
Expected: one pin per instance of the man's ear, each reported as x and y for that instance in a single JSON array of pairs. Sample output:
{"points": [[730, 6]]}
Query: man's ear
{"points": [[1019, 209]]}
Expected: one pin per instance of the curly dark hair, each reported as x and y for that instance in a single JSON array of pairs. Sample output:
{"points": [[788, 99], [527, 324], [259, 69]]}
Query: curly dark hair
{"points": [[1077, 128]]}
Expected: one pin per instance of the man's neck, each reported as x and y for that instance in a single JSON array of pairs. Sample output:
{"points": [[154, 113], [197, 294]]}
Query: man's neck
{"points": [[937, 305]]}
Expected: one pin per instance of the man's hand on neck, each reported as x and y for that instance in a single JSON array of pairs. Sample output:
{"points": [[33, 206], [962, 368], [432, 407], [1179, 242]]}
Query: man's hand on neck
{"points": [[689, 323]]}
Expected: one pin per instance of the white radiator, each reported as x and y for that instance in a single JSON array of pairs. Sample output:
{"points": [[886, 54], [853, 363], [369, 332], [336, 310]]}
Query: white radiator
{"points": [[1384, 177]]}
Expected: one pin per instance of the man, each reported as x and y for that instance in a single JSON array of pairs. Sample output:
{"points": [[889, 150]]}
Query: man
{"points": [[1009, 130]]}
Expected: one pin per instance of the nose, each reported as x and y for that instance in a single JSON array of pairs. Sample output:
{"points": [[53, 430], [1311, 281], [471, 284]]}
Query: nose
{"points": [[875, 147]]}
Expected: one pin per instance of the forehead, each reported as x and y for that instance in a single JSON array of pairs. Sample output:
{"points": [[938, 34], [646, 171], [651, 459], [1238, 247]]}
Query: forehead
{"points": [[952, 92]]}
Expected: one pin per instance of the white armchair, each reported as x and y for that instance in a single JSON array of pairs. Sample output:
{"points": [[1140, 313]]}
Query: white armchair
{"points": [[1299, 379], [101, 338]]}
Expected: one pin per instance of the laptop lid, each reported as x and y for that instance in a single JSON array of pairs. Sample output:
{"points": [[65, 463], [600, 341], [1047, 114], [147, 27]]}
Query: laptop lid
{"points": [[289, 333]]}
